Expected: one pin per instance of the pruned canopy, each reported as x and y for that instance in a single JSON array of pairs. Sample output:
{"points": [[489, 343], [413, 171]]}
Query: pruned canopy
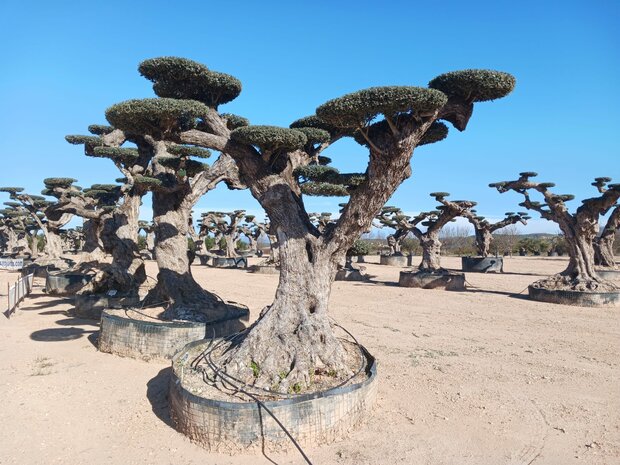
{"points": [[270, 138], [180, 78], [474, 85], [157, 117], [357, 109]]}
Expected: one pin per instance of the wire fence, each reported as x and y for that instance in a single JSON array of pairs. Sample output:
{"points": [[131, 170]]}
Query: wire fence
{"points": [[17, 293]]}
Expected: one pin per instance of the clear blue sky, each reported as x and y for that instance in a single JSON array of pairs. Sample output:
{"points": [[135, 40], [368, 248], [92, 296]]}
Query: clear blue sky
{"points": [[64, 63]]}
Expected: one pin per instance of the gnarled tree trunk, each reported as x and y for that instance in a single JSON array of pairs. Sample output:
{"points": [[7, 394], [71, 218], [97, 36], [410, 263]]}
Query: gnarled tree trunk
{"points": [[483, 241], [604, 244], [431, 252]]}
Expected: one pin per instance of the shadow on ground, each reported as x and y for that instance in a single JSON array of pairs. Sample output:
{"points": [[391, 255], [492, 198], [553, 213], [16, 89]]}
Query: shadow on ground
{"points": [[157, 394]]}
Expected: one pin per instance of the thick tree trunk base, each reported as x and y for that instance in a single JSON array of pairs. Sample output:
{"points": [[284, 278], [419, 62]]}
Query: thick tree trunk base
{"points": [[562, 282], [482, 264], [237, 424], [438, 279], [393, 260], [571, 297], [307, 350]]}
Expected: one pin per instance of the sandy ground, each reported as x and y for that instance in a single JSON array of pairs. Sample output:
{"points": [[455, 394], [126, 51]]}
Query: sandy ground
{"points": [[477, 377]]}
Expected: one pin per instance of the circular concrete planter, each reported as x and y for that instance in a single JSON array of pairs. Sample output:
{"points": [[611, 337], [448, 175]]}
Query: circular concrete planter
{"points": [[232, 262], [264, 269], [583, 299], [482, 264], [425, 280], [609, 275], [65, 282], [91, 305], [312, 419], [39, 271], [393, 260], [158, 340]]}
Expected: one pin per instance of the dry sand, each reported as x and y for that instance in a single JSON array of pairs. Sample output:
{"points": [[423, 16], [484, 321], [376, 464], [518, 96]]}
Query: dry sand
{"points": [[477, 377]]}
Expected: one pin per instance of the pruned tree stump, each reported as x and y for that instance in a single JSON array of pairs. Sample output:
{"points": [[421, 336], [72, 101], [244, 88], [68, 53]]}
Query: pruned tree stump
{"points": [[482, 264], [347, 274], [312, 419], [229, 262], [65, 282], [580, 298], [92, 305], [444, 279], [157, 339], [393, 260], [264, 269]]}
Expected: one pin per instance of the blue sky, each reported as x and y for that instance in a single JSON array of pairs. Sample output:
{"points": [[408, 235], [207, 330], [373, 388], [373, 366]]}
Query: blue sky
{"points": [[65, 62]]}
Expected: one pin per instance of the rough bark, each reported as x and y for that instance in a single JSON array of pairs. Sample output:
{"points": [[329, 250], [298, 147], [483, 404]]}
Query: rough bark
{"points": [[604, 244], [431, 252]]}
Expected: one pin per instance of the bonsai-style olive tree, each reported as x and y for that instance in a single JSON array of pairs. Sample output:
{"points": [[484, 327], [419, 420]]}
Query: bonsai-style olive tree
{"points": [[228, 230], [393, 217], [580, 229], [15, 226], [45, 212], [293, 340], [434, 221], [484, 230], [176, 180], [252, 229]]}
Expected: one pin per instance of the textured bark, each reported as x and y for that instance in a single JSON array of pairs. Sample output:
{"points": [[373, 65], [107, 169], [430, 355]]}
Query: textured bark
{"points": [[431, 251], [483, 241], [604, 244]]}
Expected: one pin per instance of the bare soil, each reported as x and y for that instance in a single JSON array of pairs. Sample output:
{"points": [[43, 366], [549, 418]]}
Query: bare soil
{"points": [[478, 377]]}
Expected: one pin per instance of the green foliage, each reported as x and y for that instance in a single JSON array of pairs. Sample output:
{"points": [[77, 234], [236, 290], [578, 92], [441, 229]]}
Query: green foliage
{"points": [[602, 180], [100, 129], [533, 245], [124, 154], [547, 185], [157, 117], [315, 135], [528, 174], [189, 151], [435, 133], [359, 108], [270, 138], [147, 181], [58, 182], [474, 85], [359, 248], [235, 121], [141, 242], [181, 78], [11, 190], [92, 141], [315, 122], [255, 368], [324, 189], [439, 195]]}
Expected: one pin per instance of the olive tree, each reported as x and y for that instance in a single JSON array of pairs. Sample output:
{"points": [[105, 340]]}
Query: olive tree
{"points": [[293, 339], [253, 230], [224, 229], [392, 217], [580, 229], [45, 212], [434, 221], [483, 229]]}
